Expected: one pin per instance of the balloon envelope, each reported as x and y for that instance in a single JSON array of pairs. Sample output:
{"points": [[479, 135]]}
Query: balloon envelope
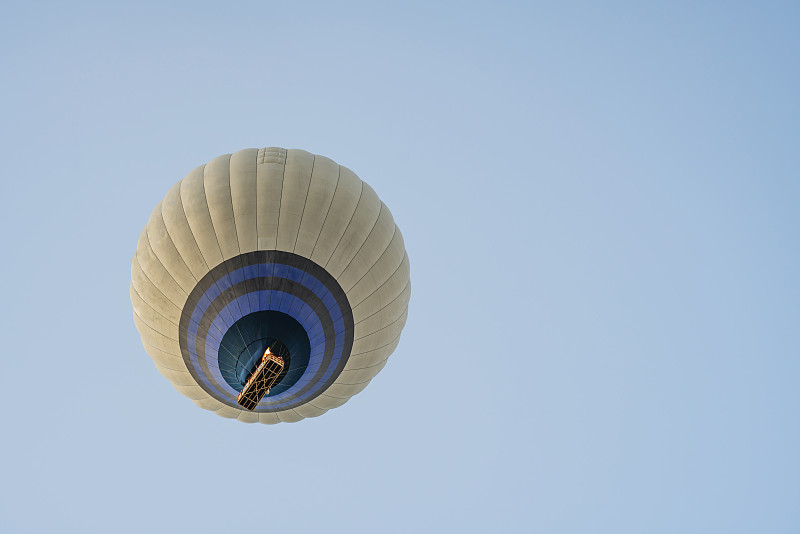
{"points": [[270, 248]]}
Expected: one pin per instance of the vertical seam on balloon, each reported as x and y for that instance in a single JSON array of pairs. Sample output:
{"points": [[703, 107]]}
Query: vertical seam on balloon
{"points": [[176, 377], [191, 231], [282, 285], [233, 208], [354, 385], [379, 329], [381, 363], [324, 220], [148, 347], [233, 212], [400, 294], [395, 338], [303, 213], [176, 247], [258, 245], [152, 308], [214, 410], [210, 218], [152, 329], [216, 235], [255, 195], [216, 238], [136, 256], [389, 244], [278, 413], [259, 181], [311, 403], [371, 365], [333, 251], [367, 381], [265, 414], [378, 218], [189, 226], [233, 215], [405, 255], [209, 409], [241, 413], [155, 254], [280, 202]]}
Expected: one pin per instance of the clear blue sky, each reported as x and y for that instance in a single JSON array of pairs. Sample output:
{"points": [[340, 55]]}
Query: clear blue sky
{"points": [[600, 203]]}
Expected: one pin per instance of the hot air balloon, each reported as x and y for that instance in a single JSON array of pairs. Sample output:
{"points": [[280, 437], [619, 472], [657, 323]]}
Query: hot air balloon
{"points": [[270, 285]]}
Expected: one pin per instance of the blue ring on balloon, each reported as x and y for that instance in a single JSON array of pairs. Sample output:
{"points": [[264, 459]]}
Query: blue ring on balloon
{"points": [[227, 316], [239, 284]]}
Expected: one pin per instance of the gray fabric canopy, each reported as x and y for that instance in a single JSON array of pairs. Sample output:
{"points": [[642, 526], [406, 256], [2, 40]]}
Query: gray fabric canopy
{"points": [[270, 231]]}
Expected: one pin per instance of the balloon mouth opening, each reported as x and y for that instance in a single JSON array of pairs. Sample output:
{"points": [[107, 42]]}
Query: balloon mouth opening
{"points": [[241, 350]]}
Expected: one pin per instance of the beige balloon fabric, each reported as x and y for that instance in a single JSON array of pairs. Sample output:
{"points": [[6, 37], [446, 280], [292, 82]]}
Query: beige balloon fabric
{"points": [[270, 247]]}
